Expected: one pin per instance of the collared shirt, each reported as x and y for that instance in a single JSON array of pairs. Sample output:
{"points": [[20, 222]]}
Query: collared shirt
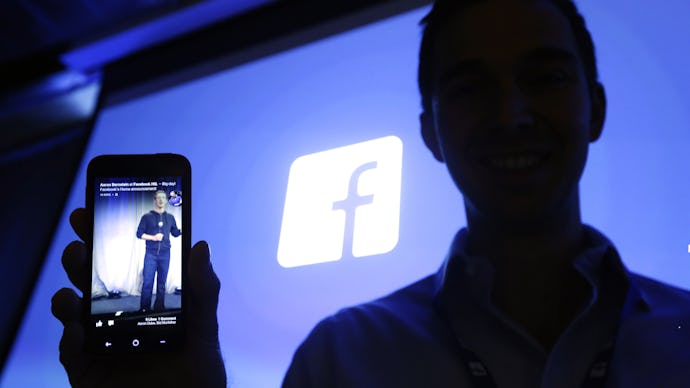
{"points": [[412, 337]]}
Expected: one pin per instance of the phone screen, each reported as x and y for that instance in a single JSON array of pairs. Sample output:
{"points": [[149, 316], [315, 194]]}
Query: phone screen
{"points": [[137, 250]]}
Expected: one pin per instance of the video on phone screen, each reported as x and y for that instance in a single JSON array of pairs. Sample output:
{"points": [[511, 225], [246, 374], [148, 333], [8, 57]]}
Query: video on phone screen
{"points": [[137, 251]]}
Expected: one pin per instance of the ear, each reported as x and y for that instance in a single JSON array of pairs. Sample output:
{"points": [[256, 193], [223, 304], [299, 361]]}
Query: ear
{"points": [[428, 127], [598, 114]]}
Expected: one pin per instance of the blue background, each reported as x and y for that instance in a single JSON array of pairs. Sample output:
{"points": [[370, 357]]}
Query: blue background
{"points": [[241, 129]]}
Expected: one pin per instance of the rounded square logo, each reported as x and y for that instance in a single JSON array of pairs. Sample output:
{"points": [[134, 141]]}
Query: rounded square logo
{"points": [[343, 202]]}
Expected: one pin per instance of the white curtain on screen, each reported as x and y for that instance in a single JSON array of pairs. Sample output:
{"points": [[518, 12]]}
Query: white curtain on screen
{"points": [[119, 254]]}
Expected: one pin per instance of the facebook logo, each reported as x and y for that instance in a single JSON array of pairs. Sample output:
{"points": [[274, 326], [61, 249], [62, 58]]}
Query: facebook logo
{"points": [[343, 202]]}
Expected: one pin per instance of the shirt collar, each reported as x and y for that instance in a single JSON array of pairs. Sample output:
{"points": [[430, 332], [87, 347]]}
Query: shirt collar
{"points": [[598, 257]]}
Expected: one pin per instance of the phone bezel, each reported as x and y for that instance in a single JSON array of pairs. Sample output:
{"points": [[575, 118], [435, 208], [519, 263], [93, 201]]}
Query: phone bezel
{"points": [[139, 165]]}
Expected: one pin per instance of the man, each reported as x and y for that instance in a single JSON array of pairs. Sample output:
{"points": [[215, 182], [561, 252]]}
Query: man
{"points": [[528, 296], [156, 227]]}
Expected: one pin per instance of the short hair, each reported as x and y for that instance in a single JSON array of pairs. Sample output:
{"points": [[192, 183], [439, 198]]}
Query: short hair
{"points": [[160, 191], [443, 9]]}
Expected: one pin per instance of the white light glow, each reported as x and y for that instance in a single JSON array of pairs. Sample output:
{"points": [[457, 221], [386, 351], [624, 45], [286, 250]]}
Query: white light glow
{"points": [[321, 188]]}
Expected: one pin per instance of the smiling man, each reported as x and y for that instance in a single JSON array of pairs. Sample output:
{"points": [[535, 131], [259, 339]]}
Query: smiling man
{"points": [[511, 111], [529, 296]]}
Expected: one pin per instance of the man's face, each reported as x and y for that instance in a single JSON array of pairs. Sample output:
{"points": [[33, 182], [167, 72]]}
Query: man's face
{"points": [[513, 114], [160, 200]]}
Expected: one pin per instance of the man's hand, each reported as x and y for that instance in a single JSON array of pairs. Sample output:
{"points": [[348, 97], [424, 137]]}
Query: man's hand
{"points": [[158, 237], [198, 364]]}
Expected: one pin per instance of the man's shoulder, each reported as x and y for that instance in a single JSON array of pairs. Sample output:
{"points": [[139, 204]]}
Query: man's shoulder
{"points": [[145, 220], [371, 343], [148, 215], [407, 313], [661, 295], [413, 301], [652, 344]]}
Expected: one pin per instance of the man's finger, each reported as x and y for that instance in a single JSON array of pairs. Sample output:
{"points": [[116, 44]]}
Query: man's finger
{"points": [[80, 223], [66, 306], [72, 354], [74, 260], [205, 286]]}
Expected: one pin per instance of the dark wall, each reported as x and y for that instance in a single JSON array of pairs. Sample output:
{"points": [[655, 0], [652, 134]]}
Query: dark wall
{"points": [[36, 181]]}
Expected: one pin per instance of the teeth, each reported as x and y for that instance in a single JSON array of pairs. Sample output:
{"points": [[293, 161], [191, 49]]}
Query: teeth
{"points": [[515, 162]]}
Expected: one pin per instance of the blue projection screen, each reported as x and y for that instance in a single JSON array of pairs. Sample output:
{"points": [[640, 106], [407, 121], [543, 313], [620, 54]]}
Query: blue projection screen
{"points": [[263, 135]]}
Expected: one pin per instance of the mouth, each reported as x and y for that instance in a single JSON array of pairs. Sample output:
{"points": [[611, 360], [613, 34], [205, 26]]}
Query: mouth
{"points": [[515, 162]]}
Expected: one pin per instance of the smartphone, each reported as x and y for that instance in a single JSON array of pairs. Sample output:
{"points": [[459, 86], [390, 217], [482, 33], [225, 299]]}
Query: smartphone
{"points": [[139, 209]]}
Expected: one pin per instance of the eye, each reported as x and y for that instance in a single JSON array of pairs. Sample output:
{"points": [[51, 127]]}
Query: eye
{"points": [[467, 87], [543, 79]]}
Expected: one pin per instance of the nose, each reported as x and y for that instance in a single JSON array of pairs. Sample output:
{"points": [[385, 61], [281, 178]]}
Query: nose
{"points": [[514, 109]]}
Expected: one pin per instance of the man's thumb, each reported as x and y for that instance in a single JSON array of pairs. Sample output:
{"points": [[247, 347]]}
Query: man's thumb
{"points": [[204, 286]]}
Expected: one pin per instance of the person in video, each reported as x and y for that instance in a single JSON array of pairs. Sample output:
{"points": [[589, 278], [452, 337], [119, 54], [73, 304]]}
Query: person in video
{"points": [[528, 296], [156, 227]]}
